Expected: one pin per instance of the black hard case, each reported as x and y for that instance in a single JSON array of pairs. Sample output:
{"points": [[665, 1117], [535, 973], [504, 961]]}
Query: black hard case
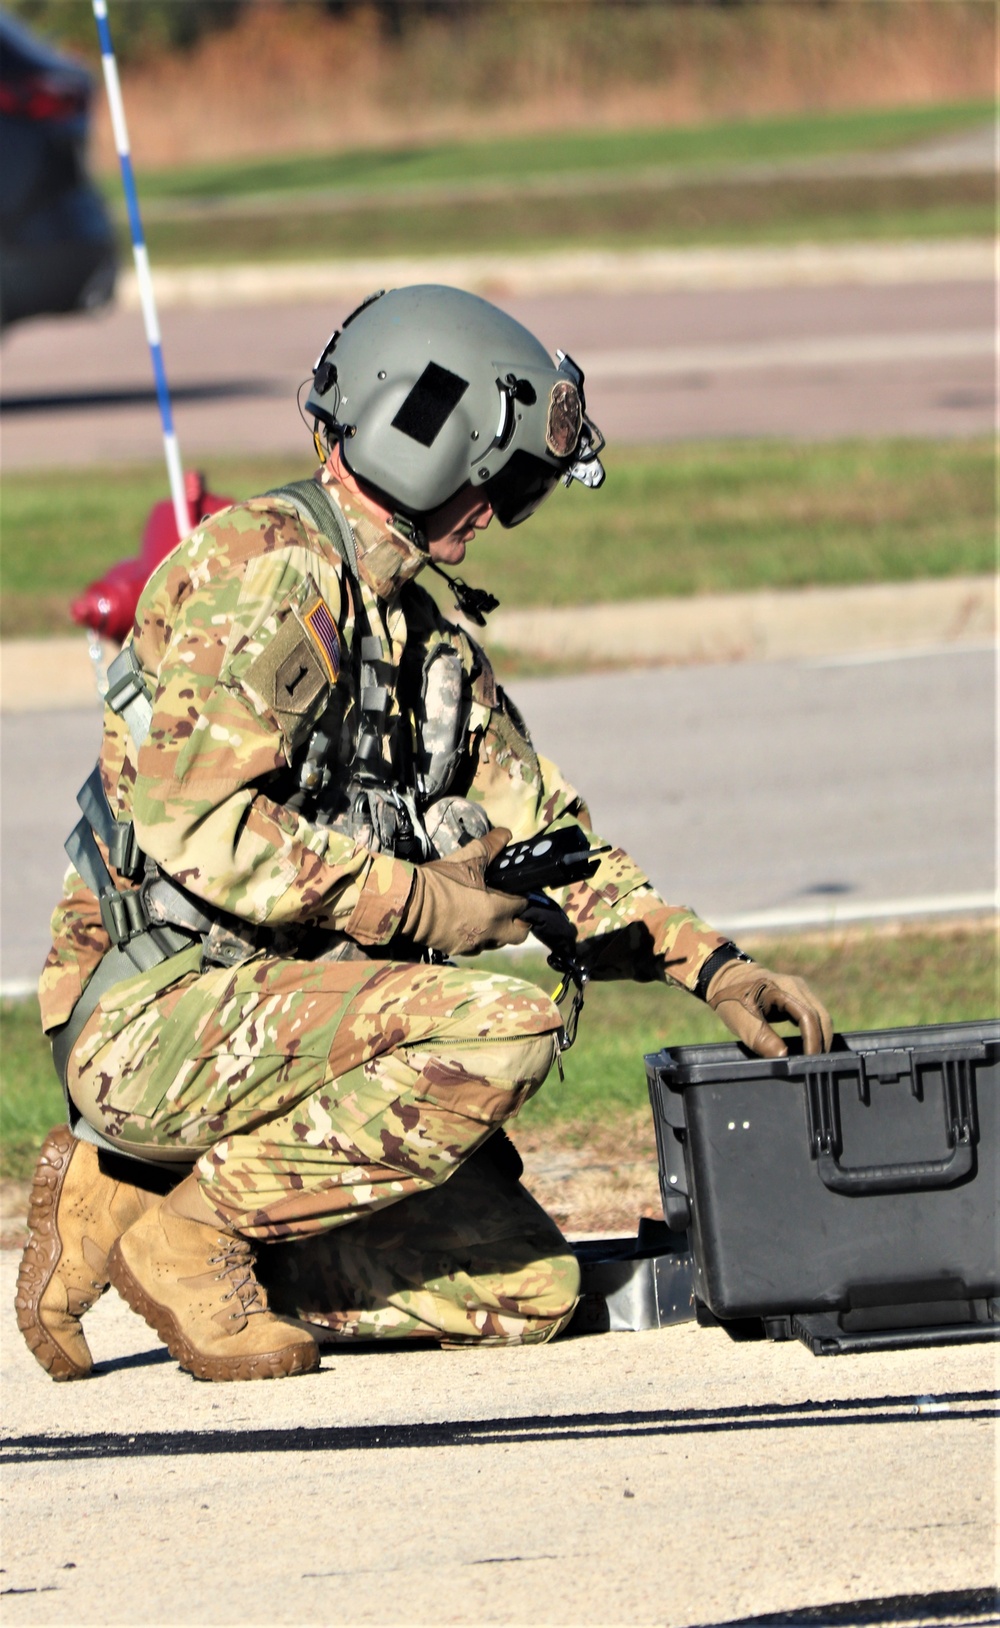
{"points": [[849, 1198]]}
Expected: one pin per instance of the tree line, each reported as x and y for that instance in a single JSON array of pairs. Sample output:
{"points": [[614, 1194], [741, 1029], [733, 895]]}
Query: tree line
{"points": [[144, 28]]}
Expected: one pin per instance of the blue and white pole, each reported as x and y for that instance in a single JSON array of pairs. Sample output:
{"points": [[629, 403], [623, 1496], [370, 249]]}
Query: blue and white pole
{"points": [[112, 85]]}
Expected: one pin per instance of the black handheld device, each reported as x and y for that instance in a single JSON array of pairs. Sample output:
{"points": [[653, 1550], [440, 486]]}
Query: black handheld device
{"points": [[549, 860]]}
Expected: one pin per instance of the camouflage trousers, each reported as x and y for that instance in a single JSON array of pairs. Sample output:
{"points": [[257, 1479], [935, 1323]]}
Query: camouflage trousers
{"points": [[314, 1094], [474, 1261]]}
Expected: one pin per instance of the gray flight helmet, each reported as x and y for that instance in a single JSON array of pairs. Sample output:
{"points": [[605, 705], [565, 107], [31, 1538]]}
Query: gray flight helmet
{"points": [[430, 388]]}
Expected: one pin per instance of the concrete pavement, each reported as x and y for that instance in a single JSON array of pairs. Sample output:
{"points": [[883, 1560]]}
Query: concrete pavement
{"points": [[576, 271], [671, 1477]]}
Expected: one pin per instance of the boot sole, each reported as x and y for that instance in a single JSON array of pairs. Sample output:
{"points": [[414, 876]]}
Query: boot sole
{"points": [[42, 1254], [300, 1359]]}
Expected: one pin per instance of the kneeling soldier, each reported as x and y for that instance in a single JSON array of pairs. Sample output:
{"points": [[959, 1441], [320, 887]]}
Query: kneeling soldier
{"points": [[306, 771]]}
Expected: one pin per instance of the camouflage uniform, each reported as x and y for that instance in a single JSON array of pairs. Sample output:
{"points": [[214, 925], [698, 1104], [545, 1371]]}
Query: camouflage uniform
{"points": [[315, 1082]]}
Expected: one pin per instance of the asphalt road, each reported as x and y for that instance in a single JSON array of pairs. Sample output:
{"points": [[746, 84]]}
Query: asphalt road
{"points": [[808, 362], [670, 1477], [741, 788]]}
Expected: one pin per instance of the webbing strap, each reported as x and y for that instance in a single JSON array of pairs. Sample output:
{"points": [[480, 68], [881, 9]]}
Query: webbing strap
{"points": [[123, 915], [128, 694], [166, 901], [86, 856], [118, 836], [313, 501]]}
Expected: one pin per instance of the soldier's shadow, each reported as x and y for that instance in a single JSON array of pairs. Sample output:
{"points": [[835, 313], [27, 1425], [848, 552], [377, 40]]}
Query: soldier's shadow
{"points": [[139, 1359]]}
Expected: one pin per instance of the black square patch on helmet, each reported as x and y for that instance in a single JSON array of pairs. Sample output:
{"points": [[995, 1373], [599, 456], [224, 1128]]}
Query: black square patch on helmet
{"points": [[430, 404]]}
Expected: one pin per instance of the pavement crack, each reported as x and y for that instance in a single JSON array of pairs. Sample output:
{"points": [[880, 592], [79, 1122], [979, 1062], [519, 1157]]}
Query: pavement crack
{"points": [[508, 1560]]}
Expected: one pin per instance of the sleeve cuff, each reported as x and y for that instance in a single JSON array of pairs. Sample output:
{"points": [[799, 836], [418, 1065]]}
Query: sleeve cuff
{"points": [[685, 943], [376, 917]]}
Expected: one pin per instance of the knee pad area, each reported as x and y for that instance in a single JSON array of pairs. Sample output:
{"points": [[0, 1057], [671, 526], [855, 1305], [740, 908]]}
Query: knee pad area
{"points": [[526, 1059]]}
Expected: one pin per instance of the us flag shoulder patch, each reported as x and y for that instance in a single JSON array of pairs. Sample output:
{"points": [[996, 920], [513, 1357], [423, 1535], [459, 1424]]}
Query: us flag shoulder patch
{"points": [[323, 631]]}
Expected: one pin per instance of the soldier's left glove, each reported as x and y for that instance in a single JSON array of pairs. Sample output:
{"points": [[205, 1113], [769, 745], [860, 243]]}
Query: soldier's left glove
{"points": [[745, 995], [451, 909]]}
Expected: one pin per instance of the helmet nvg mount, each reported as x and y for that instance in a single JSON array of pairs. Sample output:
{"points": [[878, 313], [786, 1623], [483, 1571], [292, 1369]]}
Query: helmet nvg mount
{"points": [[430, 388]]}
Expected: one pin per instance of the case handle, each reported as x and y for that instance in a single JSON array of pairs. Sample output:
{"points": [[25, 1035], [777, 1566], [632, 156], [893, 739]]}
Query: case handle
{"points": [[867, 1180], [918, 1176]]}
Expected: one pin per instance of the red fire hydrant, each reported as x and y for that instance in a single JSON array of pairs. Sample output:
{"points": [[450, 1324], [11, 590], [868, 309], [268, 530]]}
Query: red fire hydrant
{"points": [[107, 606]]}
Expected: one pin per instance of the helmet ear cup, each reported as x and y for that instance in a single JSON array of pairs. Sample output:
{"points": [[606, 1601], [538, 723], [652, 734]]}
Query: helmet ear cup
{"points": [[430, 388]]}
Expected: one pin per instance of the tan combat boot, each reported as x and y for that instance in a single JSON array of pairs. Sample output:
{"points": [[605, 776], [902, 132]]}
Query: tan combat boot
{"points": [[194, 1282], [75, 1213]]}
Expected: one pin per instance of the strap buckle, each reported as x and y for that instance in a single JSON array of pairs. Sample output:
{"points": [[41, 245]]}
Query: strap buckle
{"points": [[117, 835], [123, 915], [128, 694]]}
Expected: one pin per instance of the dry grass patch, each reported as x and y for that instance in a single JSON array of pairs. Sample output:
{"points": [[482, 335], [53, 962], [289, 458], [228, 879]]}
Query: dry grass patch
{"points": [[620, 218], [594, 1177], [291, 77]]}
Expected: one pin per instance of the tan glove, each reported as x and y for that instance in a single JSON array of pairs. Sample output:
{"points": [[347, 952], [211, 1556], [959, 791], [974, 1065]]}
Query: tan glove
{"points": [[451, 909], [745, 995]]}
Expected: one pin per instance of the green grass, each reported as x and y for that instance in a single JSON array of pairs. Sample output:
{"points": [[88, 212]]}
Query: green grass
{"points": [[620, 217], [683, 519], [604, 189], [867, 981], [31, 1098], [731, 516], [514, 159], [62, 530]]}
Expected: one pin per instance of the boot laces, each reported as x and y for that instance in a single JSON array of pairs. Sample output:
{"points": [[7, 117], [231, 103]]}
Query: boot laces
{"points": [[235, 1260]]}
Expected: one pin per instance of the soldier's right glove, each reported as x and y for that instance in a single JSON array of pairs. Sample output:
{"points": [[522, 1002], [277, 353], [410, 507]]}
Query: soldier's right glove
{"points": [[451, 909], [745, 995]]}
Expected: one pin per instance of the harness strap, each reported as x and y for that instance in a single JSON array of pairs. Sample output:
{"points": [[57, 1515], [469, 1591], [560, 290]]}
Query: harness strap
{"points": [[374, 696], [121, 913], [124, 916], [309, 497], [128, 694], [118, 836], [164, 900], [138, 945]]}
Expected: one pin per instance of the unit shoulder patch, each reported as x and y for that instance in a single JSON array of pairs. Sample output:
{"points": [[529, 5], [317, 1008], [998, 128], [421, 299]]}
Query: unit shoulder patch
{"points": [[289, 675]]}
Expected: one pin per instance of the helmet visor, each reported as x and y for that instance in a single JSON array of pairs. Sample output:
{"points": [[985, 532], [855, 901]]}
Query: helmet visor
{"points": [[517, 489]]}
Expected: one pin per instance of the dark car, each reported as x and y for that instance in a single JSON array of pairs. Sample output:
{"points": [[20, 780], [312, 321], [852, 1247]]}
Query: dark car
{"points": [[57, 243]]}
